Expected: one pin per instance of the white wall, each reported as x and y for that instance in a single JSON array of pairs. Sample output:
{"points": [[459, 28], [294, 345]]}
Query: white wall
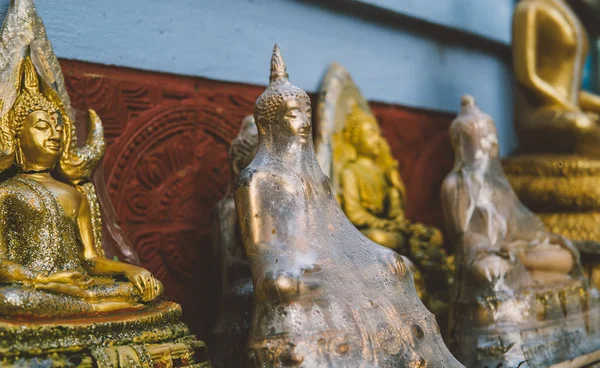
{"points": [[231, 40]]}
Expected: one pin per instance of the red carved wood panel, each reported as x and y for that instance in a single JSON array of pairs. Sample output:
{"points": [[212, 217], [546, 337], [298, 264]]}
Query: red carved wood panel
{"points": [[166, 166]]}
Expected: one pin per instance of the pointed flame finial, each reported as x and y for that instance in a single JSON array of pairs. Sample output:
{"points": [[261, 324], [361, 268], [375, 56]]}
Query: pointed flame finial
{"points": [[278, 70]]}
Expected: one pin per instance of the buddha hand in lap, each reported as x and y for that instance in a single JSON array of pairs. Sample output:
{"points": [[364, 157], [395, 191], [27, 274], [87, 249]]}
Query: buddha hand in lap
{"points": [[49, 263]]}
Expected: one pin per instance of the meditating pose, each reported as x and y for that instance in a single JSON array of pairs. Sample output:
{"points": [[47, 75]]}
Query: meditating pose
{"points": [[553, 113], [324, 294], [374, 199], [518, 287], [51, 263]]}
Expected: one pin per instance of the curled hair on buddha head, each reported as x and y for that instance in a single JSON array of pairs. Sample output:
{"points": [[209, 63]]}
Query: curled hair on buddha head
{"points": [[355, 120], [29, 99], [278, 91]]}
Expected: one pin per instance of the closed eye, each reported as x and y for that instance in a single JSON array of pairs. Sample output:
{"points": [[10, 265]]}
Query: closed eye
{"points": [[42, 125]]}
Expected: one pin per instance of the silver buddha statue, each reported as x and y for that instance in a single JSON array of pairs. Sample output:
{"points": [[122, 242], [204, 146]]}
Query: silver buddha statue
{"points": [[325, 295]]}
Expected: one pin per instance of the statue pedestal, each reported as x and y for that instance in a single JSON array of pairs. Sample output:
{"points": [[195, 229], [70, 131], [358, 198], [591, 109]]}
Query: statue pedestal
{"points": [[150, 337], [564, 191]]}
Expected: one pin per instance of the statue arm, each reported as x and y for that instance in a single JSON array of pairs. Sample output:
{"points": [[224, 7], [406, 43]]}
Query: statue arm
{"points": [[455, 204], [397, 196], [524, 56], [95, 264], [276, 272], [351, 202], [589, 102]]}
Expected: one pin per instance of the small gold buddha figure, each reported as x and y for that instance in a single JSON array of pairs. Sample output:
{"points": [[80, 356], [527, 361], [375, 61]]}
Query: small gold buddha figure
{"points": [[553, 113], [520, 295], [324, 294], [368, 186], [373, 196], [230, 333], [49, 264]]}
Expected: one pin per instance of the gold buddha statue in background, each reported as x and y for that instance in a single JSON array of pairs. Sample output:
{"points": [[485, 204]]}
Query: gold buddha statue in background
{"points": [[520, 298], [553, 113], [368, 186], [324, 294], [557, 168], [62, 302]]}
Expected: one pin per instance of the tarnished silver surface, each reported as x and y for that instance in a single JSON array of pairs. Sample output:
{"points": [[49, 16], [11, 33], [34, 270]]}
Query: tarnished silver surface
{"points": [[520, 297], [325, 295], [230, 333]]}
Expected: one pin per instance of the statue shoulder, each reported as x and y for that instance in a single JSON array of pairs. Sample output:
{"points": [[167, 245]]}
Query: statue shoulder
{"points": [[526, 7], [257, 179], [450, 185]]}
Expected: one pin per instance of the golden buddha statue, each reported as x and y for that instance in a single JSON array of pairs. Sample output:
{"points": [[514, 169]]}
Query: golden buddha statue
{"points": [[230, 333], [520, 297], [324, 294], [557, 168], [553, 113], [368, 186], [61, 299]]}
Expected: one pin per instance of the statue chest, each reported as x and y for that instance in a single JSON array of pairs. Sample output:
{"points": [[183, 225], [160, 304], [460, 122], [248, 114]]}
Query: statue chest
{"points": [[39, 235]]}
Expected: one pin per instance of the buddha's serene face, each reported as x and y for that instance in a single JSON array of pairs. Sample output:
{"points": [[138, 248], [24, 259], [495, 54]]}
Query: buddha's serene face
{"points": [[368, 141], [42, 138], [476, 142], [296, 114]]}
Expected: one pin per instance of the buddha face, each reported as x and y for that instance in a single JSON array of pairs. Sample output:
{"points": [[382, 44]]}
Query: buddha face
{"points": [[368, 141], [479, 142], [41, 139], [296, 115]]}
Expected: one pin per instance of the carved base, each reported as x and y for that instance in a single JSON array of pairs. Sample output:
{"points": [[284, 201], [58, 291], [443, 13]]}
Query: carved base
{"points": [[153, 337], [564, 332], [563, 190]]}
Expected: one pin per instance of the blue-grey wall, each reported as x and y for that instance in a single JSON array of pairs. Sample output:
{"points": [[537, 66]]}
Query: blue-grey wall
{"points": [[418, 53]]}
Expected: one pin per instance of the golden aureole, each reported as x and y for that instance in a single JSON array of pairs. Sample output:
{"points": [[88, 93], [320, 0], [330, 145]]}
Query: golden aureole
{"points": [[520, 297], [230, 333], [62, 302], [557, 169], [324, 294], [367, 184]]}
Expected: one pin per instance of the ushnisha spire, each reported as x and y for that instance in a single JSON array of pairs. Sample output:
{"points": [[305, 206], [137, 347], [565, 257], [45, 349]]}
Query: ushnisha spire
{"points": [[279, 90], [278, 69]]}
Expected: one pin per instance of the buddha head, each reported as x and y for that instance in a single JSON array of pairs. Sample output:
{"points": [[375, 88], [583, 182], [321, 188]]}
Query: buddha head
{"points": [[283, 112], [42, 133], [35, 124], [473, 135], [362, 131]]}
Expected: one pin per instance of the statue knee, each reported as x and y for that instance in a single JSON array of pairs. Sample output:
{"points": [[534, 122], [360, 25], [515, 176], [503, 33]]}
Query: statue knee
{"points": [[386, 238]]}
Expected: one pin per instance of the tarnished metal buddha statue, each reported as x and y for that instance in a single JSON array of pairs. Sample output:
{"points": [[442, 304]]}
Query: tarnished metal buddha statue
{"points": [[368, 186], [558, 124], [62, 302], [230, 333], [520, 298], [324, 294]]}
